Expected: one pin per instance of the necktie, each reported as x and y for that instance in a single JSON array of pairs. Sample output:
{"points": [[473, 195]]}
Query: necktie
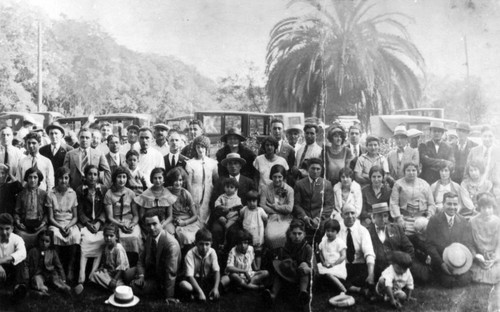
{"points": [[85, 160], [350, 247], [450, 223], [152, 258], [144, 151], [355, 151], [303, 156], [6, 156], [33, 163], [173, 161], [54, 150]]}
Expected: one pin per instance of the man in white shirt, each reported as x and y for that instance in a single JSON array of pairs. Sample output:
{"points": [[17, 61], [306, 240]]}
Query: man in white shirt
{"points": [[360, 257], [310, 150], [114, 157], [9, 154], [57, 149], [402, 154], [34, 159], [13, 270], [161, 137], [149, 158], [132, 140], [99, 142], [174, 158]]}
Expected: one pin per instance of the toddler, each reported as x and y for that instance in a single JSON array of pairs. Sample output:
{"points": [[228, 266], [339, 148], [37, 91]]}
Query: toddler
{"points": [[254, 220], [229, 203], [332, 253], [395, 279]]}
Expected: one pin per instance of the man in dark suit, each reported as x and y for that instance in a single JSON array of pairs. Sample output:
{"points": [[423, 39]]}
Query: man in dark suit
{"points": [[311, 195], [114, 157], [354, 146], [461, 151], [158, 263], [174, 158], [284, 150], [434, 153], [445, 228], [77, 159], [386, 238], [57, 149]]}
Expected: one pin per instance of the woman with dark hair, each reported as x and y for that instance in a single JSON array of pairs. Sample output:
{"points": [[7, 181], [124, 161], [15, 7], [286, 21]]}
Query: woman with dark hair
{"points": [[264, 162], [121, 210], [277, 201], [202, 174], [336, 155], [233, 143], [157, 199], [375, 193], [30, 217], [347, 192], [472, 181]]}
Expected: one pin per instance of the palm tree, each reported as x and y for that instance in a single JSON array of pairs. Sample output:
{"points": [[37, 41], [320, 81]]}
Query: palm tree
{"points": [[342, 57]]}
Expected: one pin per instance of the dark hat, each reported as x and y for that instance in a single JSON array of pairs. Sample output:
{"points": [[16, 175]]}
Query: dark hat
{"points": [[55, 125], [233, 156], [233, 131], [287, 269], [463, 126]]}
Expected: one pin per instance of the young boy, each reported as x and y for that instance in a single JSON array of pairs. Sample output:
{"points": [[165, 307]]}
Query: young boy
{"points": [[395, 279], [229, 203], [137, 182], [367, 161], [202, 271]]}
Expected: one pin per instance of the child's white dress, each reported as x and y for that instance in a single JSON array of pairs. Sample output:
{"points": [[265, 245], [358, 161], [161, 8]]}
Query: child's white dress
{"points": [[331, 253]]}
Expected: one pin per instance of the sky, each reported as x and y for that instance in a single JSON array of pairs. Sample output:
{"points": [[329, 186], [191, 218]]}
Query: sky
{"points": [[221, 37]]}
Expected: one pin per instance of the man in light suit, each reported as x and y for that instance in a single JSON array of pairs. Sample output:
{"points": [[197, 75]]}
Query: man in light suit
{"points": [[76, 160], [9, 154], [57, 149], [403, 154], [461, 151], [434, 153], [114, 157]]}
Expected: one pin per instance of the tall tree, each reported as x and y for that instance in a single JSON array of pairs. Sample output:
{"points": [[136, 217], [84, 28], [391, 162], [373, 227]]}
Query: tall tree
{"points": [[345, 56]]}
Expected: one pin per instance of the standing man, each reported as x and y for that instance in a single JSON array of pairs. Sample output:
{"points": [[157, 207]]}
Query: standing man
{"points": [[77, 159], [353, 144], [174, 158], [149, 158], [402, 154], [34, 159], [195, 129], [161, 138], [132, 140], [114, 157], [434, 153], [101, 138], [461, 151], [293, 135], [9, 154], [284, 150], [310, 150], [57, 149]]}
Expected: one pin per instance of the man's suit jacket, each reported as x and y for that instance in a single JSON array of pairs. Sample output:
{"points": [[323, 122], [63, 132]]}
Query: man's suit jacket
{"points": [[440, 236], [395, 240], [112, 163], [396, 167], [57, 159], [431, 160], [167, 262], [245, 185], [286, 151], [72, 162], [461, 160], [361, 150], [309, 200], [181, 162]]}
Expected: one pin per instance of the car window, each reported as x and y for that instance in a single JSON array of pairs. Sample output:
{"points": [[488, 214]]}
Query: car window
{"points": [[256, 125], [212, 124], [233, 121]]}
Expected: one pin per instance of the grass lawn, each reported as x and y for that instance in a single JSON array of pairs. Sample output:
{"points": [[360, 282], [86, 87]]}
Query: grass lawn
{"points": [[431, 298]]}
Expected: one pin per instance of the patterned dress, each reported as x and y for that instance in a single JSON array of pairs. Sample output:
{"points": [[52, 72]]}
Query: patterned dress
{"points": [[182, 210]]}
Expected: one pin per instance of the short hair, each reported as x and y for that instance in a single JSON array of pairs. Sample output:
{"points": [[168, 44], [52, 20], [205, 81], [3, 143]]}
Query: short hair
{"points": [[174, 174], [151, 213], [479, 164], [243, 236], [485, 199], [196, 122], [111, 136], [346, 171], [203, 141], [252, 195], [84, 129], [156, 171], [231, 182], [120, 170], [88, 168], [132, 153], [372, 138], [296, 224], [61, 171], [271, 140], [49, 234], [311, 126], [6, 127], [277, 169], [449, 195], [33, 135], [355, 127], [203, 235], [332, 225], [173, 131], [445, 164], [6, 219], [112, 227], [314, 161], [145, 129], [410, 164], [402, 259], [277, 120], [32, 170], [375, 169]]}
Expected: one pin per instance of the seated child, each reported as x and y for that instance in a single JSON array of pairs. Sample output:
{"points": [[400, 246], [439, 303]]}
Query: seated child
{"points": [[137, 181], [420, 269], [395, 279], [44, 265], [202, 271], [473, 183], [254, 220], [294, 265], [114, 261], [241, 267], [229, 203], [332, 254]]}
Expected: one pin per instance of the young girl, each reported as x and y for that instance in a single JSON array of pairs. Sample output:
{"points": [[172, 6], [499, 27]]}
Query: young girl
{"points": [[137, 181], [294, 265], [184, 219], [254, 220], [396, 279], [114, 261], [44, 265], [332, 253], [472, 181], [229, 202], [62, 208], [241, 268]]}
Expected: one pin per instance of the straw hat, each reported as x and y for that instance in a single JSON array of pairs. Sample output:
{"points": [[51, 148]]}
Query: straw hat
{"points": [[287, 269], [298, 128], [452, 133], [420, 224], [233, 156], [437, 125], [342, 301], [463, 126], [123, 297], [380, 208], [458, 258], [401, 131], [414, 133]]}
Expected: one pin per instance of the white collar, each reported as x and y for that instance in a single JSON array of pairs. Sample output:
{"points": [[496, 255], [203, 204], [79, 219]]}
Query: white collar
{"points": [[237, 177]]}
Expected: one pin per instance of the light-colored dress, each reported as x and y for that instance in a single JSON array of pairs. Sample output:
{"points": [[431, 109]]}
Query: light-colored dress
{"points": [[486, 235], [62, 206], [474, 188], [30, 212], [201, 175], [156, 203], [263, 165], [112, 260], [122, 211], [254, 223], [331, 253], [182, 210], [279, 218]]}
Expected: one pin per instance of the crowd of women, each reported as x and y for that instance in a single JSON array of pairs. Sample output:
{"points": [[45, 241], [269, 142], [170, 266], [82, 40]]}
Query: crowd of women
{"points": [[276, 216]]}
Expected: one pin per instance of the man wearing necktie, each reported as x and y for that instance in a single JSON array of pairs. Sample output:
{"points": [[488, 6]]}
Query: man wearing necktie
{"points": [[434, 153], [354, 146], [9, 155], [461, 151], [284, 150], [35, 160], [57, 149], [174, 158], [386, 238], [310, 150], [149, 158], [114, 157]]}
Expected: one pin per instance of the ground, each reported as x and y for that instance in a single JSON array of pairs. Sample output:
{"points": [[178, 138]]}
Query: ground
{"points": [[430, 298]]}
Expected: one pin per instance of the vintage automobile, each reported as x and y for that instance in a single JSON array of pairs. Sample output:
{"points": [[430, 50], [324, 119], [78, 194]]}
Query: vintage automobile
{"points": [[180, 123], [49, 117], [383, 125], [15, 120]]}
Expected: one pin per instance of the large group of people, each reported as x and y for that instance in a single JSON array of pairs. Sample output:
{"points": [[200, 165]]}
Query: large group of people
{"points": [[158, 214]]}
